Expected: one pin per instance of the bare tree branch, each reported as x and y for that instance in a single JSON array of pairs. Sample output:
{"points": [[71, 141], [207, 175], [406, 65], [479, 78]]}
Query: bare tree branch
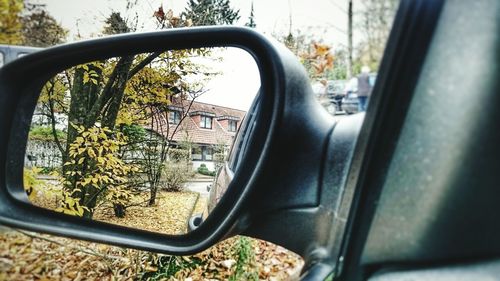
{"points": [[53, 122]]}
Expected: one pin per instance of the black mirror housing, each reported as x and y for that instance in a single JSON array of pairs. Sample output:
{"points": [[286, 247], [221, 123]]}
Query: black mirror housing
{"points": [[20, 85], [277, 176]]}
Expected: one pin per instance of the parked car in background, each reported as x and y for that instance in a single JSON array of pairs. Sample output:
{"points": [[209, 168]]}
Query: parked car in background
{"points": [[350, 102], [225, 173], [350, 99], [331, 95], [216, 191], [335, 93]]}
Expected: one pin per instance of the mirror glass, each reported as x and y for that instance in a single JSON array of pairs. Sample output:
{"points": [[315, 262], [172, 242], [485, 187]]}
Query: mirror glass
{"points": [[140, 141]]}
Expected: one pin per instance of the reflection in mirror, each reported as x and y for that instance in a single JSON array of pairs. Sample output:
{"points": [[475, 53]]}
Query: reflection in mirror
{"points": [[138, 140]]}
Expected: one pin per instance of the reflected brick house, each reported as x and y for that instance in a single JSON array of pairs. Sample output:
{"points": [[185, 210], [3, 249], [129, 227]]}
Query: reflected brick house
{"points": [[208, 127]]}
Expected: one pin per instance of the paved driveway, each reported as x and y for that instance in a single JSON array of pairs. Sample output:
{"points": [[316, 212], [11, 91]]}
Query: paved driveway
{"points": [[198, 186]]}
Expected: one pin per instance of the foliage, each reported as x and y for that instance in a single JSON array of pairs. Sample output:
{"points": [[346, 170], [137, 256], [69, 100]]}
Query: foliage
{"points": [[50, 170], [187, 144], [319, 59], [147, 99], [375, 22], [44, 133], [10, 22], [36, 188], [316, 57], [122, 94], [205, 171], [339, 70], [115, 24], [210, 12], [130, 102], [251, 19], [134, 133], [70, 205], [95, 167], [40, 29], [219, 157], [175, 174], [177, 154], [32, 185], [168, 266], [169, 20], [245, 263]]}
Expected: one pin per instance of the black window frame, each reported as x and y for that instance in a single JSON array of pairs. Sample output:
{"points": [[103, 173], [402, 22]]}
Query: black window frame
{"points": [[207, 151], [232, 125], [174, 113], [203, 121]]}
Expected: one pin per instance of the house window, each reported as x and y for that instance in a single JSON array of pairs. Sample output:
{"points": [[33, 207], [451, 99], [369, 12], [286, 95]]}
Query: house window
{"points": [[232, 126], [206, 122], [202, 153], [174, 117], [196, 154], [207, 153]]}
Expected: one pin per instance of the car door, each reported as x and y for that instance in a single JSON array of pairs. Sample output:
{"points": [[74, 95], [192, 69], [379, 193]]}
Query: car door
{"points": [[426, 199]]}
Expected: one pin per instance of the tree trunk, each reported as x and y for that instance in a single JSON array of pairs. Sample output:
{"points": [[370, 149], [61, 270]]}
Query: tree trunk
{"points": [[119, 210], [112, 109], [111, 113], [81, 96], [152, 194]]}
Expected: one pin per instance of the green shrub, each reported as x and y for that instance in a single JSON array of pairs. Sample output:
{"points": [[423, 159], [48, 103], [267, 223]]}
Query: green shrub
{"points": [[205, 171], [245, 261], [44, 133], [134, 133], [50, 170], [168, 266]]}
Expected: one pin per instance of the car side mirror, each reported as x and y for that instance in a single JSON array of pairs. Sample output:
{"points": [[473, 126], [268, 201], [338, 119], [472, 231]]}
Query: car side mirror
{"points": [[270, 130]]}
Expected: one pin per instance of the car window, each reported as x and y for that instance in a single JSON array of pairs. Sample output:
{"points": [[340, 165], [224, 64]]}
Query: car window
{"points": [[318, 34]]}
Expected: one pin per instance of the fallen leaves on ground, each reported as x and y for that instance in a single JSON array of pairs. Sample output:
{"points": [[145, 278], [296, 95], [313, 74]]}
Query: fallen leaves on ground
{"points": [[270, 262], [169, 215], [23, 257], [32, 256]]}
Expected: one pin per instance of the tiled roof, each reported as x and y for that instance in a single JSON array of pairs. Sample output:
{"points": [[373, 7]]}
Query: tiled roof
{"points": [[189, 130], [217, 110]]}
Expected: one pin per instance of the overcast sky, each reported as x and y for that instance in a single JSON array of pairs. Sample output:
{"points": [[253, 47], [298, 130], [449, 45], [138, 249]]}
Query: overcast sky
{"points": [[323, 20], [238, 81]]}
